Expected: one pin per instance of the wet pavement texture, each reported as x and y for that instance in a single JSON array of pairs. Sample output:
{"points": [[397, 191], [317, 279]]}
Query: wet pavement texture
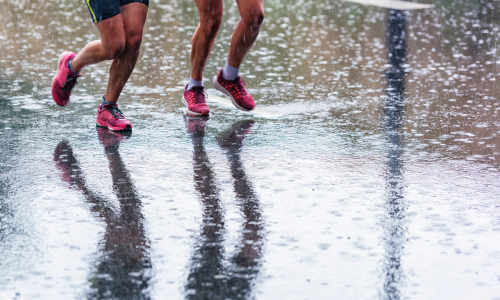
{"points": [[380, 181]]}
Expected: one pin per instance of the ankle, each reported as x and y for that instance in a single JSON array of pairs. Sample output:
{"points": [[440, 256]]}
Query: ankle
{"points": [[104, 102], [70, 66], [193, 83], [230, 73]]}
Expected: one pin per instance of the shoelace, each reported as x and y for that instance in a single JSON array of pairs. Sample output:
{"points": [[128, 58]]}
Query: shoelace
{"points": [[241, 84], [115, 111], [70, 82], [199, 89]]}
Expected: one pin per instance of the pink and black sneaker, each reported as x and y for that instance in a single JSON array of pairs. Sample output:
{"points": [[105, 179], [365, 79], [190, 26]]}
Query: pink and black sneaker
{"points": [[111, 117], [236, 90], [65, 80], [194, 100]]}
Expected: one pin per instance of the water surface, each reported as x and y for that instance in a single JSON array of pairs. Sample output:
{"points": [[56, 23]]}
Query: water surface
{"points": [[379, 182]]}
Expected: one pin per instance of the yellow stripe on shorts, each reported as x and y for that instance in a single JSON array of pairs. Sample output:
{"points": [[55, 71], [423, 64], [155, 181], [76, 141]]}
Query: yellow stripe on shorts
{"points": [[90, 8]]}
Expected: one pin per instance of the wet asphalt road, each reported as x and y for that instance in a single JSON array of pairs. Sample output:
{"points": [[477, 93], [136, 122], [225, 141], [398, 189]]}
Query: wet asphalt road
{"points": [[380, 181]]}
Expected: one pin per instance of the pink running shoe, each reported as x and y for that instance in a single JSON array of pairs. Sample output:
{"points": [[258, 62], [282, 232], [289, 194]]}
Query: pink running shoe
{"points": [[111, 117], [236, 90], [194, 100], [65, 80]]}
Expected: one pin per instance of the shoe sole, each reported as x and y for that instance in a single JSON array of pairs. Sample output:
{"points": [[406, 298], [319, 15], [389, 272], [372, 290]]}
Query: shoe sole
{"points": [[219, 87], [61, 57], [192, 113], [127, 128]]}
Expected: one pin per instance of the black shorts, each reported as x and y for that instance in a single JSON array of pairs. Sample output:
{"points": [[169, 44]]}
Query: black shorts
{"points": [[104, 9]]}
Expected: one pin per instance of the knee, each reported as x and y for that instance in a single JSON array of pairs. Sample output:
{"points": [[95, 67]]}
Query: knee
{"points": [[212, 20], [134, 44], [116, 48], [254, 19]]}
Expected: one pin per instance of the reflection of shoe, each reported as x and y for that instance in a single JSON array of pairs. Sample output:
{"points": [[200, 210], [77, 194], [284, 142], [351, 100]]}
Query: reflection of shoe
{"points": [[111, 117], [65, 80], [234, 136], [196, 127], [111, 139], [65, 161], [236, 90], [194, 100]]}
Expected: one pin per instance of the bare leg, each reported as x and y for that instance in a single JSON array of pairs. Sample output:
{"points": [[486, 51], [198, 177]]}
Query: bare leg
{"points": [[133, 16], [210, 12], [110, 46], [252, 15]]}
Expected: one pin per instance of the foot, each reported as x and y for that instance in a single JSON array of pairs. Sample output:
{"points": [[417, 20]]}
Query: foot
{"points": [[194, 100], [111, 117], [236, 90], [65, 80]]}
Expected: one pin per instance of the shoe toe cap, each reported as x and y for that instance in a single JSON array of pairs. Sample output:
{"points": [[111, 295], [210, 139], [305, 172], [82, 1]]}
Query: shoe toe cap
{"points": [[201, 109], [120, 124], [248, 103]]}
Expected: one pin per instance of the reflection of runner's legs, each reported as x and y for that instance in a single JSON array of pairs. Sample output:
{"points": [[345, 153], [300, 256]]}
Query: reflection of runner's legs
{"points": [[246, 262], [228, 81], [122, 269], [211, 276], [120, 24]]}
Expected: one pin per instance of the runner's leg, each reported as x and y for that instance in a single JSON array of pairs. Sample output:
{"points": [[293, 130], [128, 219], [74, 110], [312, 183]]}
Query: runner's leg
{"points": [[108, 21], [133, 17], [247, 29], [227, 80], [210, 12], [110, 46]]}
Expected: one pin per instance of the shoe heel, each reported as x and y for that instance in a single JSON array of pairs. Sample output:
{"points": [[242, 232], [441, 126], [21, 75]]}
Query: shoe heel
{"points": [[61, 57], [220, 88]]}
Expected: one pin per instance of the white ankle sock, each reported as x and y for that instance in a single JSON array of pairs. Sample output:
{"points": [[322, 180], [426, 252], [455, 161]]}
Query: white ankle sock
{"points": [[230, 73], [193, 83]]}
